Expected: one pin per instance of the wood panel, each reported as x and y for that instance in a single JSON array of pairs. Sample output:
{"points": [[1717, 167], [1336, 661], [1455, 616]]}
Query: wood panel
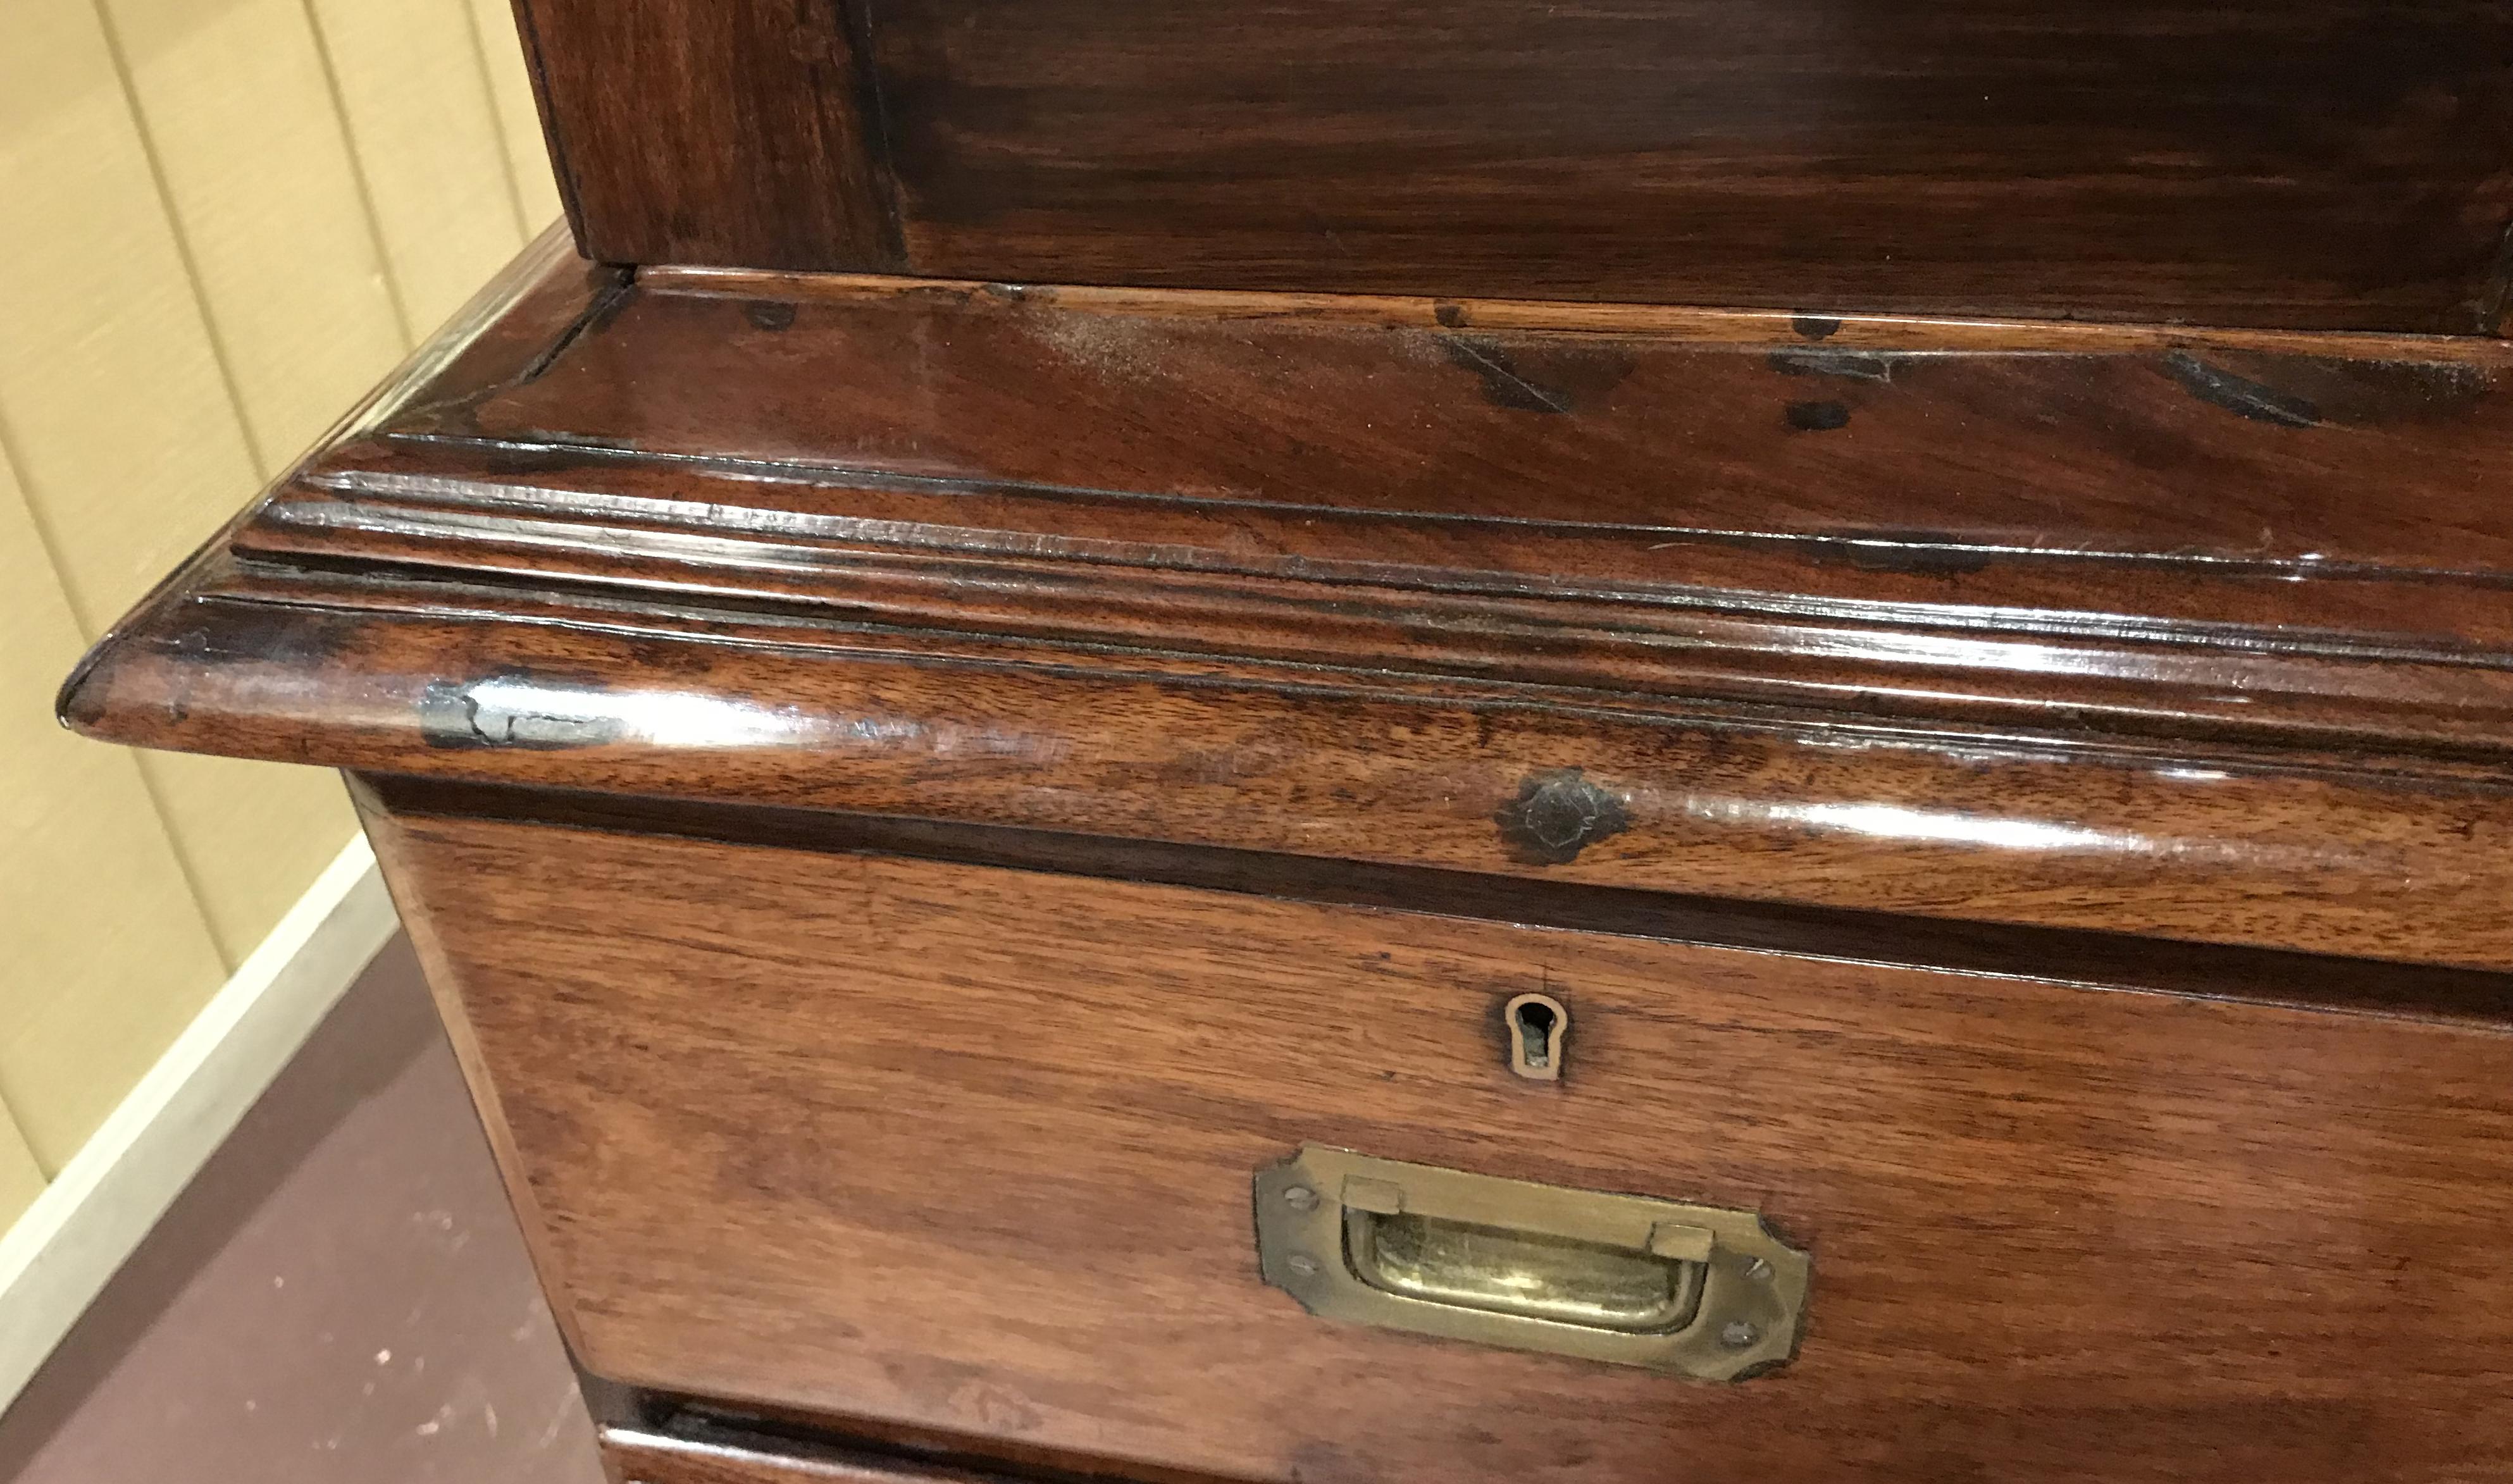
{"points": [[963, 1149], [414, 92], [744, 127], [107, 956], [2331, 163], [2268, 976]]}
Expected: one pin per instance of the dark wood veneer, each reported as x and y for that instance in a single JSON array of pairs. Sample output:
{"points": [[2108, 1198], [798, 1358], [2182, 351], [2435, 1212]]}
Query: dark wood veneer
{"points": [[2310, 163], [739, 126]]}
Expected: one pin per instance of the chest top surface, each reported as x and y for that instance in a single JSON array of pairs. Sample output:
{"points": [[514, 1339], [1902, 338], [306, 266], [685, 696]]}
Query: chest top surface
{"points": [[2105, 627]]}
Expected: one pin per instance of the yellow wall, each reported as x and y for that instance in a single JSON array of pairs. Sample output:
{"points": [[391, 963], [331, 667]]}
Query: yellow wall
{"points": [[220, 222]]}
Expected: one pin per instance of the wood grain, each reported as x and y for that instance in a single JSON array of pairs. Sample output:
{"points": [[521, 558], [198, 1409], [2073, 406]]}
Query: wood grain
{"points": [[2312, 163], [711, 133], [2076, 487], [1845, 330], [2116, 960], [2291, 852], [968, 1149], [2122, 656]]}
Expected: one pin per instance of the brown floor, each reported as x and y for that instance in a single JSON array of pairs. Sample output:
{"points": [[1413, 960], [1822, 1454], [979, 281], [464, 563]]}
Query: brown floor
{"points": [[341, 1296]]}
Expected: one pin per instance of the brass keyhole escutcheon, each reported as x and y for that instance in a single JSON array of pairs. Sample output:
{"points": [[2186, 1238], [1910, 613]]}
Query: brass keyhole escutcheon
{"points": [[1539, 1025]]}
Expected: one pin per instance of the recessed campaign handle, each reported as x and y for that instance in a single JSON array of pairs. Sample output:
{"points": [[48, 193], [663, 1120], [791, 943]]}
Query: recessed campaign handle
{"points": [[1699, 1291], [1529, 1274]]}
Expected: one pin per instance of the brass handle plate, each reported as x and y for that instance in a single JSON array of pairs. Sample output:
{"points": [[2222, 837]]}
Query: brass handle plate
{"points": [[1697, 1291]]}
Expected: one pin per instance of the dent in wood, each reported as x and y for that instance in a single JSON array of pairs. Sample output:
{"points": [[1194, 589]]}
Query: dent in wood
{"points": [[1558, 813]]}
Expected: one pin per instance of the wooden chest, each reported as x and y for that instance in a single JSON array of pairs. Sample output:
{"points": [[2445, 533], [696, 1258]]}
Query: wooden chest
{"points": [[1372, 842]]}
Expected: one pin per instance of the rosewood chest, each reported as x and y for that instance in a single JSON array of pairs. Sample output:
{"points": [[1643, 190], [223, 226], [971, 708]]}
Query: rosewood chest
{"points": [[1371, 744]]}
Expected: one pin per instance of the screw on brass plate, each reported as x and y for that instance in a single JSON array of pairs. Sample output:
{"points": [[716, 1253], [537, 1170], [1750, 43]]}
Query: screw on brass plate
{"points": [[1300, 1198], [1537, 1024], [1738, 1335], [1304, 1266]]}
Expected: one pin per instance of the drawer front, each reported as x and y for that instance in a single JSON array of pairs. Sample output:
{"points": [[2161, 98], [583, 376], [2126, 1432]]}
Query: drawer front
{"points": [[970, 1149]]}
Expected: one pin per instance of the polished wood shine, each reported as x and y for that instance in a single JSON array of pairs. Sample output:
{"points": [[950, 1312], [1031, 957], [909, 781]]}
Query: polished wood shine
{"points": [[708, 708], [1068, 599], [643, 1456], [967, 1150], [741, 128], [2310, 163], [2101, 959], [2157, 634]]}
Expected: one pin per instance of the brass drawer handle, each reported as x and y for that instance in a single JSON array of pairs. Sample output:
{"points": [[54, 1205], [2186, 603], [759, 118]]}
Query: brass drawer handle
{"points": [[1516, 1272], [1695, 1290]]}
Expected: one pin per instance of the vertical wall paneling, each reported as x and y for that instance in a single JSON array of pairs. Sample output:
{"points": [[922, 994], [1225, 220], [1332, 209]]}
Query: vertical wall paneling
{"points": [[107, 956], [126, 419], [416, 96], [236, 108], [22, 1179], [234, 111], [519, 120], [254, 835], [225, 221], [117, 408]]}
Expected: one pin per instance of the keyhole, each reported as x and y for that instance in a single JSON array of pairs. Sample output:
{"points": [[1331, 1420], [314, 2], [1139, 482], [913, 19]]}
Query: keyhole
{"points": [[1535, 1032], [1538, 1024]]}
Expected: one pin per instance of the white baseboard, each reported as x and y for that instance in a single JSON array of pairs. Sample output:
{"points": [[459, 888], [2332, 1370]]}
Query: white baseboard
{"points": [[66, 1245]]}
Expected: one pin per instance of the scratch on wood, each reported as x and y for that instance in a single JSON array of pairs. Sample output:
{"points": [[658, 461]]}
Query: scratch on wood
{"points": [[1502, 383], [1857, 365], [604, 307], [2240, 395]]}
